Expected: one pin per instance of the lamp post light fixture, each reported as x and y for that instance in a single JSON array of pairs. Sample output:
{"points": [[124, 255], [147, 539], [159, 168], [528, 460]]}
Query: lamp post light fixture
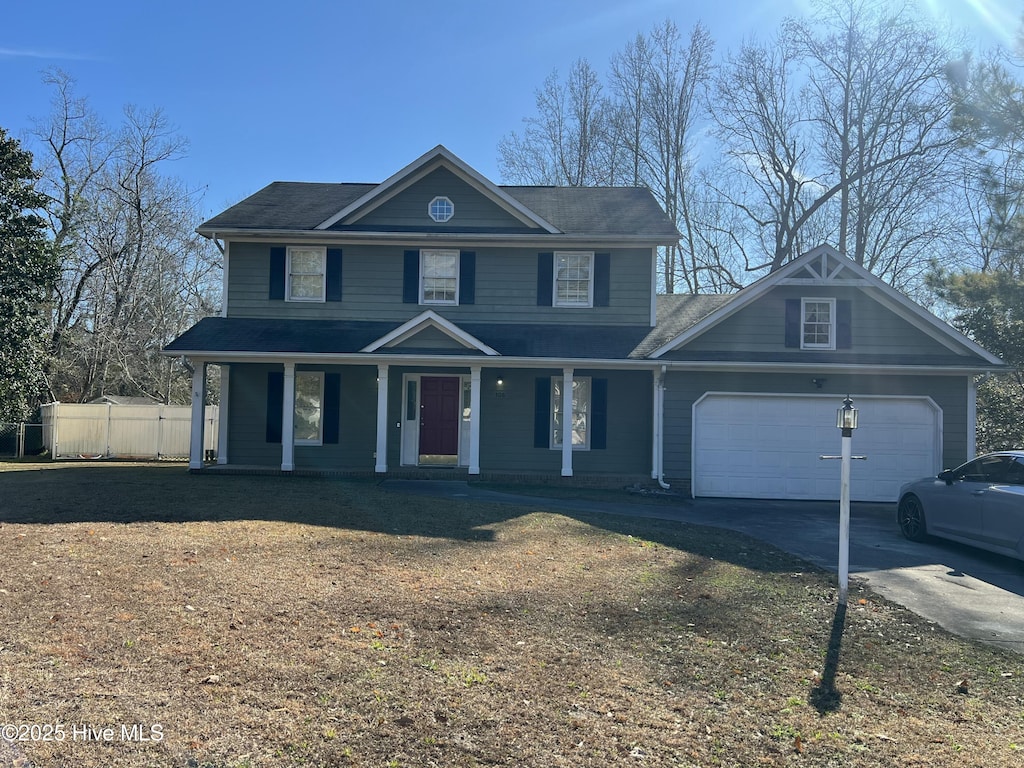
{"points": [[846, 417]]}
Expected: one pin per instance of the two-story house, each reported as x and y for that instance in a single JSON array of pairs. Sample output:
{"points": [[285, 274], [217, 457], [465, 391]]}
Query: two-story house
{"points": [[438, 320]]}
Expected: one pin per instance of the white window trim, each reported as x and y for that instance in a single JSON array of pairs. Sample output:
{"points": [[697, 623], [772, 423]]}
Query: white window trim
{"points": [[554, 281], [444, 251], [831, 328], [323, 275], [430, 209], [556, 399], [320, 423]]}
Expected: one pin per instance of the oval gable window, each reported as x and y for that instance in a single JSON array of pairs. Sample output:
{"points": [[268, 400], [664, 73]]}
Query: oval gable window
{"points": [[441, 209]]}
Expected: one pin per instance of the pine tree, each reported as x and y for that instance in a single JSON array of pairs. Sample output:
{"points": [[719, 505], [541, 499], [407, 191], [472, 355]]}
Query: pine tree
{"points": [[28, 271]]}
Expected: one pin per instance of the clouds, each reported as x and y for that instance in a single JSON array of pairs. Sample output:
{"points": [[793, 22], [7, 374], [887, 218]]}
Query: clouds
{"points": [[43, 54]]}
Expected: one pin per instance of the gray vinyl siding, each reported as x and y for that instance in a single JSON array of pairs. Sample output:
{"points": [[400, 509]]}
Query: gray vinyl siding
{"points": [[428, 338], [247, 417], [506, 288], [761, 326], [247, 421], [506, 435], [409, 207], [684, 389]]}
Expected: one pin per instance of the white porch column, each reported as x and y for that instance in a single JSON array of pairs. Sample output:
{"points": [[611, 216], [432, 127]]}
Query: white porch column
{"points": [[195, 449], [474, 420], [288, 419], [222, 414], [567, 421], [656, 426], [382, 419]]}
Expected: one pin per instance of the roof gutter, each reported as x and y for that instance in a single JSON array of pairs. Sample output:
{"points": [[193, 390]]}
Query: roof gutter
{"points": [[437, 238]]}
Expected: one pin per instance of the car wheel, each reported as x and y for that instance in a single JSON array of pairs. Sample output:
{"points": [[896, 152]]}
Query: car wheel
{"points": [[911, 518]]}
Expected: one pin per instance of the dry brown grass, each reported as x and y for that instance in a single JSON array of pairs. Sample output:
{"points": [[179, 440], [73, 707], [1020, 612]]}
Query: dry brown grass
{"points": [[266, 621]]}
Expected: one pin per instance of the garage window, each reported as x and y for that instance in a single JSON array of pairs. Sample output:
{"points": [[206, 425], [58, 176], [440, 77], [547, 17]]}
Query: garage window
{"points": [[818, 324]]}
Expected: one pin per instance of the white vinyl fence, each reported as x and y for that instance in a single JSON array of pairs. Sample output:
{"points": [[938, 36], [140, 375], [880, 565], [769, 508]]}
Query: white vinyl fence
{"points": [[100, 430]]}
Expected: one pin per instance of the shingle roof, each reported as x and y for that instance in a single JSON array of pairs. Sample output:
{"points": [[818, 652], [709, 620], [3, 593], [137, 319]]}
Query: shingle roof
{"points": [[297, 206], [677, 312]]}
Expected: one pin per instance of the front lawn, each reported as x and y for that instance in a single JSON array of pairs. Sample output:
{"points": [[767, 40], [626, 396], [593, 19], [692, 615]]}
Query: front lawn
{"points": [[153, 618]]}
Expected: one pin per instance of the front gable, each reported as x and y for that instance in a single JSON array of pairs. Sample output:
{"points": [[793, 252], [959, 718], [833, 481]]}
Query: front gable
{"points": [[402, 197], [823, 308], [409, 210], [429, 331]]}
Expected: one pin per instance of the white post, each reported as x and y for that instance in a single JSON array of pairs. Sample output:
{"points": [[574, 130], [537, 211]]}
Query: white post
{"points": [[106, 450], [381, 464], [567, 420], [222, 411], [844, 517], [195, 449], [288, 419], [474, 420], [656, 425]]}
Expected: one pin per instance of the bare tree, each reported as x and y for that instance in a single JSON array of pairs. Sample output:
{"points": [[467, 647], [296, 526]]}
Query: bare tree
{"points": [[564, 144], [677, 75], [846, 118], [879, 98], [761, 123], [134, 273]]}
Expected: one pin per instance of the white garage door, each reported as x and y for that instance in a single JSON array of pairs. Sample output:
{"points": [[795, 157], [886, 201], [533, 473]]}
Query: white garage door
{"points": [[766, 446]]}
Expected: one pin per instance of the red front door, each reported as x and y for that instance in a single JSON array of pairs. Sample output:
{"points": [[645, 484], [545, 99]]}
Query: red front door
{"points": [[440, 405]]}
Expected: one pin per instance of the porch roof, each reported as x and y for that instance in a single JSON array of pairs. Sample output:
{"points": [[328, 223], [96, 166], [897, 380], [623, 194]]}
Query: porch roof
{"points": [[213, 335]]}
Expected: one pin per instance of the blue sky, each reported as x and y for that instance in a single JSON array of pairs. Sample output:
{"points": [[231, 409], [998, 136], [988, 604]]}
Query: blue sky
{"points": [[348, 91]]}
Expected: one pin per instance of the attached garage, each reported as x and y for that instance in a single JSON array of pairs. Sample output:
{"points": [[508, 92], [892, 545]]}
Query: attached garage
{"points": [[767, 446]]}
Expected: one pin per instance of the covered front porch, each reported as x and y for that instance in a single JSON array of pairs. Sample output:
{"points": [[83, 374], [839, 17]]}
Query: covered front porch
{"points": [[392, 416]]}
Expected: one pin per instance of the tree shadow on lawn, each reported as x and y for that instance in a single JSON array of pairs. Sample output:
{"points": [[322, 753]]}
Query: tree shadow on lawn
{"points": [[124, 493]]}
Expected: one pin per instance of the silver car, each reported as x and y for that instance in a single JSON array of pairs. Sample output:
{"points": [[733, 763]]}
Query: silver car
{"points": [[980, 503]]}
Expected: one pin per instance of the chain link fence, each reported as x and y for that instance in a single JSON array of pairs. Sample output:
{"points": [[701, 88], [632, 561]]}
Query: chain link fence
{"points": [[20, 439]]}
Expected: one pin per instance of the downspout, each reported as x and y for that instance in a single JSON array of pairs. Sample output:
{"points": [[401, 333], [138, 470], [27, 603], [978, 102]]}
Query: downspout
{"points": [[659, 397]]}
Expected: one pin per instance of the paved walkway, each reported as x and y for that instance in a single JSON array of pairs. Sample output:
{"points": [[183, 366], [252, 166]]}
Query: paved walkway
{"points": [[968, 592]]}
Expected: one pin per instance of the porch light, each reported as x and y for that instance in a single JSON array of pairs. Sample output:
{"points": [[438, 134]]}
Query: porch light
{"points": [[846, 417]]}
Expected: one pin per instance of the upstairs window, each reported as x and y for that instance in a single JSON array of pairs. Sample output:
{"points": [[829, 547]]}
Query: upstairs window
{"points": [[441, 209], [306, 273], [574, 279], [818, 326], [439, 277]]}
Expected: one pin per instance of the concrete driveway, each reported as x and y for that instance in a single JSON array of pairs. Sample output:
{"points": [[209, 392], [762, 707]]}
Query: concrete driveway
{"points": [[966, 591]]}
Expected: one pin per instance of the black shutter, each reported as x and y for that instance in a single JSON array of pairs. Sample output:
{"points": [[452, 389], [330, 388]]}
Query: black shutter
{"points": [[793, 323], [277, 274], [275, 405], [599, 414], [334, 274], [467, 278], [542, 412], [844, 324], [332, 407], [545, 268], [602, 279], [411, 278]]}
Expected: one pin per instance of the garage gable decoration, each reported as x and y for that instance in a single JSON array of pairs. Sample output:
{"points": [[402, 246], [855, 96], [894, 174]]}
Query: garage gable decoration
{"points": [[820, 321]]}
